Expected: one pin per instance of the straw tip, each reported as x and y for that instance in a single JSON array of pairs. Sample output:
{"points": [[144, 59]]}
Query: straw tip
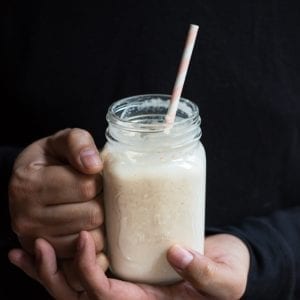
{"points": [[169, 119], [195, 26]]}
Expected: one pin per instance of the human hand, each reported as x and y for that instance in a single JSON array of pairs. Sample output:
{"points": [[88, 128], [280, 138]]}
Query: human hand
{"points": [[55, 192], [220, 275], [69, 269]]}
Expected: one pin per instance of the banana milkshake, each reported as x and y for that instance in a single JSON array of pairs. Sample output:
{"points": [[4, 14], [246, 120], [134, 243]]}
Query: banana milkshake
{"points": [[154, 186]]}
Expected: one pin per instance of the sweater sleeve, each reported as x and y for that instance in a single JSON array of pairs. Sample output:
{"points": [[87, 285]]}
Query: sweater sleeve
{"points": [[7, 158], [274, 245]]}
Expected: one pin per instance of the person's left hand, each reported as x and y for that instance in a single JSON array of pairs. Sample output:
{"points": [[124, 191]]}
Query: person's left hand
{"points": [[220, 275]]}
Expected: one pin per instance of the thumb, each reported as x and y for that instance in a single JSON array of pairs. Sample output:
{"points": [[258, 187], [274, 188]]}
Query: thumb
{"points": [[204, 274], [77, 147]]}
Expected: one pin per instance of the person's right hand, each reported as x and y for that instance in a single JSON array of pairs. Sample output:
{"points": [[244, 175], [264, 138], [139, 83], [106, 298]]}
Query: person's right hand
{"points": [[55, 192], [220, 274]]}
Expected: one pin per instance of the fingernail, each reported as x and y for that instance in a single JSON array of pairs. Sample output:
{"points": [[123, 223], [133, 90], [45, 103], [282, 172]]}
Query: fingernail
{"points": [[180, 257], [90, 158]]}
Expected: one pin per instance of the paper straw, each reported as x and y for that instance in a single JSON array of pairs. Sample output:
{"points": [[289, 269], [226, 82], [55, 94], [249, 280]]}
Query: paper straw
{"points": [[181, 74]]}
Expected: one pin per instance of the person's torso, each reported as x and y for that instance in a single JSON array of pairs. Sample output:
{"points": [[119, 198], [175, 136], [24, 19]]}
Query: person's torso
{"points": [[65, 63]]}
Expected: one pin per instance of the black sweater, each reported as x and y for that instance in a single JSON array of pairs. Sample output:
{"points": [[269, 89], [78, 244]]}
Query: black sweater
{"points": [[63, 62]]}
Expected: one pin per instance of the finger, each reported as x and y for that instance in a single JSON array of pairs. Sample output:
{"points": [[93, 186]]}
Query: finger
{"points": [[60, 220], [50, 276], [65, 246], [77, 147], [66, 185], [23, 261], [65, 219], [204, 274], [70, 270], [91, 275], [98, 286], [32, 158]]}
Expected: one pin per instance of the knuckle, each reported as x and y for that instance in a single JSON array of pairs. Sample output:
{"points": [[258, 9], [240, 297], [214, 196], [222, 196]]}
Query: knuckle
{"points": [[95, 217], [59, 133], [98, 237], [87, 189], [51, 140], [24, 183], [14, 188], [22, 226], [76, 134], [16, 226], [206, 275], [23, 204], [208, 271]]}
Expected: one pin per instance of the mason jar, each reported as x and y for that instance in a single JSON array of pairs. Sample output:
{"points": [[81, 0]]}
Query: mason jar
{"points": [[154, 186]]}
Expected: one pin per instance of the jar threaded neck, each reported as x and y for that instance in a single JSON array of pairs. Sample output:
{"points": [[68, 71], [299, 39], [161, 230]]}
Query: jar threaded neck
{"points": [[140, 120]]}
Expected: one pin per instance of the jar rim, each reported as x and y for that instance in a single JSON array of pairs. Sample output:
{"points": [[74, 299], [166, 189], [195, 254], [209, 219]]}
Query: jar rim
{"points": [[116, 112]]}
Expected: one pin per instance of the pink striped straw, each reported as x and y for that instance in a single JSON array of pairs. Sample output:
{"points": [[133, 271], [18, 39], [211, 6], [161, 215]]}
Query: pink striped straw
{"points": [[181, 74]]}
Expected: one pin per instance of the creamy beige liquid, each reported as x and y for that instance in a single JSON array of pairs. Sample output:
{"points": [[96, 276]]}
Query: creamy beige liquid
{"points": [[151, 203]]}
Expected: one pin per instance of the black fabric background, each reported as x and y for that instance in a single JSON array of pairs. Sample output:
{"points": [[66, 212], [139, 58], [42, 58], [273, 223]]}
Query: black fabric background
{"points": [[63, 63]]}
